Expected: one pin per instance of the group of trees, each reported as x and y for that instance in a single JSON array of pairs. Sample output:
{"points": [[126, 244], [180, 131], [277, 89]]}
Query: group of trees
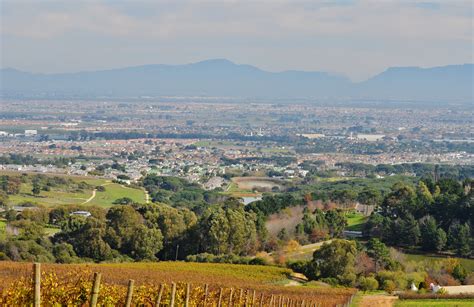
{"points": [[375, 266], [130, 232], [178, 192], [19, 159], [435, 216], [460, 172], [320, 225]]}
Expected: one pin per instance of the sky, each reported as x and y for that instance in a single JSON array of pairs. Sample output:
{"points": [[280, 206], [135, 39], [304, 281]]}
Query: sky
{"points": [[354, 38]]}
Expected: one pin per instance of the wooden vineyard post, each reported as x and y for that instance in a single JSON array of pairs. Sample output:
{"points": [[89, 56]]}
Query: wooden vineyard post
{"points": [[253, 298], [219, 303], [280, 298], [261, 300], [188, 290], [230, 297], [247, 292], [240, 295], [128, 300], [37, 283], [95, 289], [271, 300], [173, 294], [160, 294], [206, 292]]}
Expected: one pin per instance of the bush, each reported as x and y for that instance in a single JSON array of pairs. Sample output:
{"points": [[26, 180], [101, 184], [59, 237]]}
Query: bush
{"points": [[299, 266], [258, 261], [469, 280], [368, 283], [330, 280], [389, 286], [459, 272], [225, 258], [399, 278], [415, 277], [3, 256]]}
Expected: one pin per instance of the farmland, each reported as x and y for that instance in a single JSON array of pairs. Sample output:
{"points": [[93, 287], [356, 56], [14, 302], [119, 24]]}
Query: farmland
{"points": [[148, 276]]}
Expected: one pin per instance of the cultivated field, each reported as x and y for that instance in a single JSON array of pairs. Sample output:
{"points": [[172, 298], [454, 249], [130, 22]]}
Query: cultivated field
{"points": [[264, 280]]}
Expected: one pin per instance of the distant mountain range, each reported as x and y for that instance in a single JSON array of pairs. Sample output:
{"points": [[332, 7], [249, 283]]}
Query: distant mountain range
{"points": [[222, 78]]}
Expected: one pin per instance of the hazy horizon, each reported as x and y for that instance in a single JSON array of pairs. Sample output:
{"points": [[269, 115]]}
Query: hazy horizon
{"points": [[244, 64], [357, 39]]}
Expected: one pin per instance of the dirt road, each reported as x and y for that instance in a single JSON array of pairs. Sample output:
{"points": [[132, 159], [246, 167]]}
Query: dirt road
{"points": [[377, 300]]}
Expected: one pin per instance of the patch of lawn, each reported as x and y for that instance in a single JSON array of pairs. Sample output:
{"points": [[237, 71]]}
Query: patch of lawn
{"points": [[114, 191], [56, 196], [355, 221], [51, 230]]}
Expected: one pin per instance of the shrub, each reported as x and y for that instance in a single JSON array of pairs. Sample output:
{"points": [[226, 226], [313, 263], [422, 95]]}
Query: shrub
{"points": [[331, 281], [469, 280], [442, 291], [389, 286], [459, 272], [447, 280], [415, 277], [399, 278], [368, 283]]}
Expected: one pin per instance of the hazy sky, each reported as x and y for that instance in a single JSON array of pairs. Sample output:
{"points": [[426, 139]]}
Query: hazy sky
{"points": [[354, 38]]}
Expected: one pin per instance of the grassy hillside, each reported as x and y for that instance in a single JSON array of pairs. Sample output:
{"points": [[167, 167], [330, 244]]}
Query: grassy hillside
{"points": [[467, 263], [64, 195]]}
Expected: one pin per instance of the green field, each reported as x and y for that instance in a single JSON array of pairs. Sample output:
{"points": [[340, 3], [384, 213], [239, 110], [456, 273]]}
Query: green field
{"points": [[468, 264], [114, 191], [62, 195], [435, 303], [355, 221], [234, 190]]}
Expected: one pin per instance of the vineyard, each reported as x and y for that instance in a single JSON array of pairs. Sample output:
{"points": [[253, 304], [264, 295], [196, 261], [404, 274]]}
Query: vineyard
{"points": [[161, 284]]}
